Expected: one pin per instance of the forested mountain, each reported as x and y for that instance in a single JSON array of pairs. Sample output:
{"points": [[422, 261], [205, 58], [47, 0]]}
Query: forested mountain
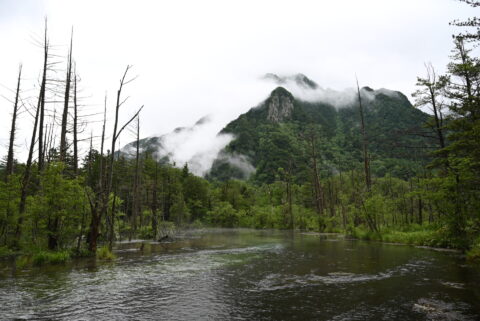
{"points": [[277, 134]]}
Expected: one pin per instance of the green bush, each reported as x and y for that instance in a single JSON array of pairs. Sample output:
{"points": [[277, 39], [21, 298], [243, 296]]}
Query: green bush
{"points": [[105, 254], [145, 232]]}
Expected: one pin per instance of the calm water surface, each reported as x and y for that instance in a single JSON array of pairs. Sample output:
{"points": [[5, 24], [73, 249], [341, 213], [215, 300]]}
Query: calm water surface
{"points": [[249, 275]]}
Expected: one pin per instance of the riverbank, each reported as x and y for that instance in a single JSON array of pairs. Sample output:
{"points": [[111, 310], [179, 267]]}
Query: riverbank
{"points": [[418, 236], [40, 257]]}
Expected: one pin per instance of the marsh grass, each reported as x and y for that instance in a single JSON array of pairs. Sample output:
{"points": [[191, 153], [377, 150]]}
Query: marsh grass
{"points": [[105, 254]]}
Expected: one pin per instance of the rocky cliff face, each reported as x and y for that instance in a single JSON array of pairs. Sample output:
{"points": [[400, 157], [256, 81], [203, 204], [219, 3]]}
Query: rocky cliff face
{"points": [[279, 105]]}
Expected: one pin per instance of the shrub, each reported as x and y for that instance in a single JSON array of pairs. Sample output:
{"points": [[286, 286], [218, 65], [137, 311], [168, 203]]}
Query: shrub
{"points": [[105, 254]]}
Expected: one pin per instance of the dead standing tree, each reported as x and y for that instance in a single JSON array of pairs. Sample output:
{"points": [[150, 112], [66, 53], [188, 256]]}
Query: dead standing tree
{"points": [[63, 133], [43, 86], [9, 165], [366, 161], [99, 210], [136, 204]]}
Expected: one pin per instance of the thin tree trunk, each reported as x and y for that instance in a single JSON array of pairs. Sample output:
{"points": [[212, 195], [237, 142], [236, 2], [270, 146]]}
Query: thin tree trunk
{"points": [[41, 147], [368, 179], [63, 135], [9, 167], [136, 182], [75, 125], [95, 205]]}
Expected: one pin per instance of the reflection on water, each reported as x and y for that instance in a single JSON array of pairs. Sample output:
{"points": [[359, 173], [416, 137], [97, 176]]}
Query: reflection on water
{"points": [[249, 275]]}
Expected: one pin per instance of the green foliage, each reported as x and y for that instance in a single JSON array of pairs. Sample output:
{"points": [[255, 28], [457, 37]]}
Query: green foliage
{"points": [[46, 257], [145, 232], [421, 236], [223, 214], [5, 251], [60, 202], [105, 254], [9, 200]]}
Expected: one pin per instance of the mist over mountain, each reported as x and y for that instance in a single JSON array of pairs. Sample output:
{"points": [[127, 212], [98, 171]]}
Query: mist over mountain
{"points": [[197, 145], [273, 134]]}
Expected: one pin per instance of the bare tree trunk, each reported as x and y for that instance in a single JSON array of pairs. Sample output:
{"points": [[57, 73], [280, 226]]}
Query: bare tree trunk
{"points": [[100, 210], [75, 125], [41, 147], [368, 179], [9, 167], [50, 141], [136, 182], [97, 204], [63, 135], [53, 227]]}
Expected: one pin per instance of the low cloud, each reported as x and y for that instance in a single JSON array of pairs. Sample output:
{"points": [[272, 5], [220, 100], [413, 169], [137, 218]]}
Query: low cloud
{"points": [[198, 145], [305, 89]]}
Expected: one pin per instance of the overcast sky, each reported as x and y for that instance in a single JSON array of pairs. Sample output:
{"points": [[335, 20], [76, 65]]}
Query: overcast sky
{"points": [[205, 57]]}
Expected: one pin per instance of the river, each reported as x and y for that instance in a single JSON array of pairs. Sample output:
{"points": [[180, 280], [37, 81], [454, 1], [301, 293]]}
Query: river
{"points": [[241, 274]]}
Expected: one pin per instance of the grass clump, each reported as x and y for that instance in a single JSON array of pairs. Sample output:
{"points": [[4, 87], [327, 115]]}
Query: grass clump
{"points": [[105, 254], [46, 257], [414, 235]]}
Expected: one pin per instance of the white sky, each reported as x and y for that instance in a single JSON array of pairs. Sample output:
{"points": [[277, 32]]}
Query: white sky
{"points": [[205, 57]]}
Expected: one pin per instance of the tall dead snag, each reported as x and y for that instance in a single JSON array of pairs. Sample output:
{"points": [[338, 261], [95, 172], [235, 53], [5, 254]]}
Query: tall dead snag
{"points": [[368, 179], [116, 133], [98, 212], [75, 124], [9, 167], [97, 201], [136, 183], [63, 133], [41, 143]]}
